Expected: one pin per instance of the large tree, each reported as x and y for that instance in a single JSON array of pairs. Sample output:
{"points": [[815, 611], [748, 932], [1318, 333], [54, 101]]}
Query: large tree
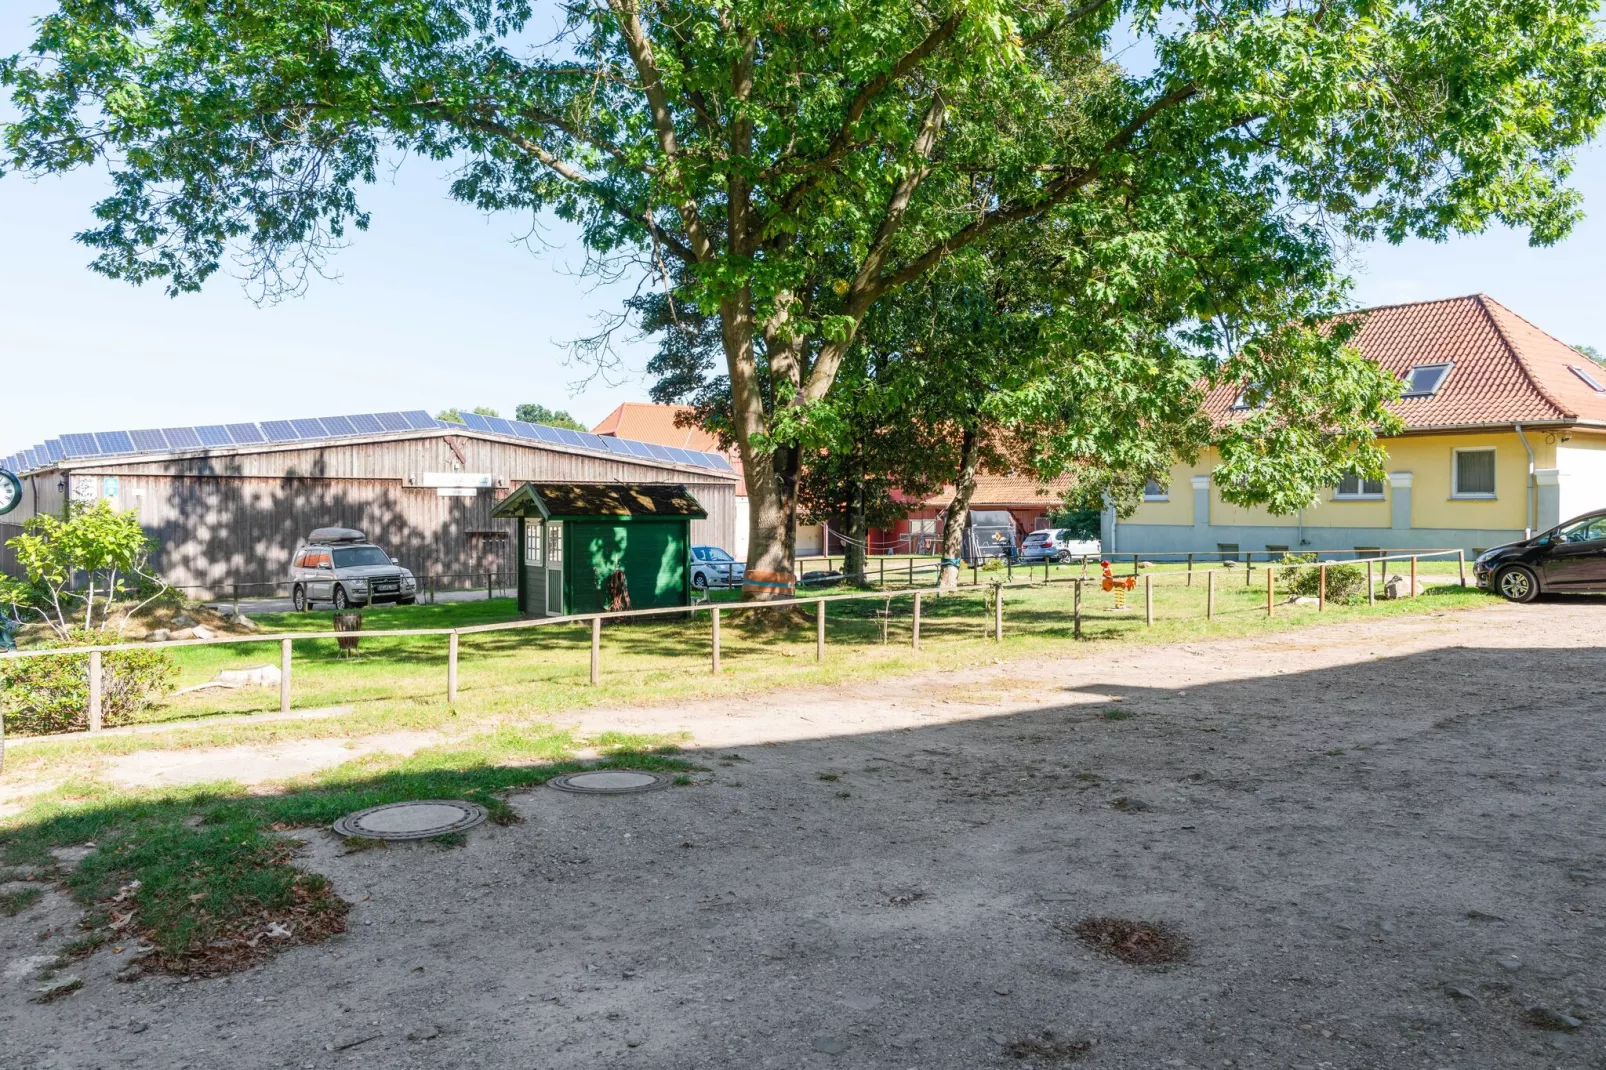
{"points": [[801, 160]]}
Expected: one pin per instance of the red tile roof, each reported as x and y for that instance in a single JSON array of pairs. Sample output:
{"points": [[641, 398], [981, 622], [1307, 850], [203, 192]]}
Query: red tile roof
{"points": [[646, 422], [1505, 371], [997, 491], [655, 423]]}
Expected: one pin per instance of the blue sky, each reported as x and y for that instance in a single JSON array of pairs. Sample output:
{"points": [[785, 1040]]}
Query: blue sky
{"points": [[438, 305]]}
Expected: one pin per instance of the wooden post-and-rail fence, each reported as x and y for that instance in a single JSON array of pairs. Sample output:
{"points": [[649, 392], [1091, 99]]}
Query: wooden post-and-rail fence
{"points": [[716, 614]]}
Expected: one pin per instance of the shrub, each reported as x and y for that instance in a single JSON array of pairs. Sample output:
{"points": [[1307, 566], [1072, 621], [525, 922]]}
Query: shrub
{"points": [[1345, 583], [51, 694]]}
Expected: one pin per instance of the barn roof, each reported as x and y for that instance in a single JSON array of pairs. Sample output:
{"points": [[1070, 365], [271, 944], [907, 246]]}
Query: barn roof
{"points": [[278, 434], [582, 500]]}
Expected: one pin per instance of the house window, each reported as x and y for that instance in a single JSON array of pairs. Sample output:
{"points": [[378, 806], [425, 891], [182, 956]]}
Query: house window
{"points": [[1228, 550], [1155, 491], [1424, 380], [1276, 549], [1353, 486], [923, 526], [1368, 551], [532, 542], [1594, 384], [1242, 402], [1474, 474], [554, 544]]}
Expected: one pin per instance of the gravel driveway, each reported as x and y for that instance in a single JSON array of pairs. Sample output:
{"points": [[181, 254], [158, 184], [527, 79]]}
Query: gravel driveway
{"points": [[1383, 842]]}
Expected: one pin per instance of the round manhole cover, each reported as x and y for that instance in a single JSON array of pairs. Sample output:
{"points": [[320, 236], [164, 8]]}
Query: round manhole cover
{"points": [[411, 820], [609, 782]]}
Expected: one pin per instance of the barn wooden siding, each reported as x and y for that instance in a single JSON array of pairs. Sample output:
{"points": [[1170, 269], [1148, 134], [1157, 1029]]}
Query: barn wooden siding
{"points": [[236, 518]]}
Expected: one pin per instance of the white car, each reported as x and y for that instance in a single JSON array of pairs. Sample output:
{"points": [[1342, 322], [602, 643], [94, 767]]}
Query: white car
{"points": [[713, 567], [1057, 544]]}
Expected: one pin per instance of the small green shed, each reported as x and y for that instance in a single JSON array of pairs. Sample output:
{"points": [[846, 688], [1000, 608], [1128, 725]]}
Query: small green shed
{"points": [[572, 536]]}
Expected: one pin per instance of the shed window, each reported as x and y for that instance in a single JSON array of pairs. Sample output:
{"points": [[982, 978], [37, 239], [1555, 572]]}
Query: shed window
{"points": [[554, 545], [1594, 384], [1155, 491], [1424, 380], [923, 526], [1354, 486], [532, 542], [1474, 473]]}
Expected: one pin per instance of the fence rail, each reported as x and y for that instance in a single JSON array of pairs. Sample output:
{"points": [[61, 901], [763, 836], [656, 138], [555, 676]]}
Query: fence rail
{"points": [[717, 610]]}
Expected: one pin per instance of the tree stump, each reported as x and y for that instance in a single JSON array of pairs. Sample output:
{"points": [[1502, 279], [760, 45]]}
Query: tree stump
{"points": [[346, 624]]}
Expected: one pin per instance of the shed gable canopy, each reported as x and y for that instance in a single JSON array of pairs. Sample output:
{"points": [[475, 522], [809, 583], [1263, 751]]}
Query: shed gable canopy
{"points": [[565, 501]]}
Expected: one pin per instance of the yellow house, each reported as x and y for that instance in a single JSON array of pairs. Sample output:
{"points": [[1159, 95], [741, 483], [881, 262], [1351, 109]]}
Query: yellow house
{"points": [[1505, 435]]}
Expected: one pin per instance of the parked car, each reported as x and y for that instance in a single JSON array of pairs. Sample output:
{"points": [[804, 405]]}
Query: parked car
{"points": [[340, 566], [1056, 544], [1569, 558], [713, 567]]}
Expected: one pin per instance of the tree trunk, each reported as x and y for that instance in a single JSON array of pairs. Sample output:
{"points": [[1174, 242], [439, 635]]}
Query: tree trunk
{"points": [[853, 554], [953, 524]]}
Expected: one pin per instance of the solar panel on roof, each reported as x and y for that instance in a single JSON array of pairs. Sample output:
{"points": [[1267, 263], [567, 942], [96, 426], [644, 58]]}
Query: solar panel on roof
{"points": [[365, 424], [245, 434], [591, 442], [214, 435], [547, 434], [182, 438], [28, 461], [53, 449], [423, 421], [474, 421], [567, 437], [525, 430], [114, 442], [657, 451], [279, 431], [80, 445], [613, 445], [392, 421], [308, 428], [500, 426], [151, 441], [637, 449], [337, 426], [719, 461]]}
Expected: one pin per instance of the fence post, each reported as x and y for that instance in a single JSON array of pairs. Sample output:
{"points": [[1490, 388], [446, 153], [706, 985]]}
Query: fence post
{"points": [[1210, 594], [237, 599], [1270, 573], [94, 691], [1461, 565], [1321, 589], [1413, 575], [1249, 560], [284, 676], [596, 650], [1134, 564], [1148, 598], [1076, 611], [451, 666], [1190, 570], [1009, 568], [432, 588], [1371, 590], [882, 565], [973, 579], [998, 613], [489, 591], [819, 630], [715, 613], [914, 624], [911, 572]]}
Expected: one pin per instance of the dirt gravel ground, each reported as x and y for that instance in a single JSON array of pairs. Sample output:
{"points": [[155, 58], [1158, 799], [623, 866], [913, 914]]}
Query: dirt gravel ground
{"points": [[1383, 842]]}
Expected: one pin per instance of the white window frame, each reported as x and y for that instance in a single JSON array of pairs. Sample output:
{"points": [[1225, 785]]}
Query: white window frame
{"points": [[923, 525], [1449, 369], [554, 544], [1362, 495], [1455, 475], [1163, 496], [1588, 377]]}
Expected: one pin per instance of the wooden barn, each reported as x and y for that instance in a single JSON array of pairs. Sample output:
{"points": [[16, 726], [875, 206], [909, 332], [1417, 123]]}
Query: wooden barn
{"points": [[227, 504]]}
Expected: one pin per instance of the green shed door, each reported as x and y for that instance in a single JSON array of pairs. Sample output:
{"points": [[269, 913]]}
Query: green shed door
{"points": [[652, 553]]}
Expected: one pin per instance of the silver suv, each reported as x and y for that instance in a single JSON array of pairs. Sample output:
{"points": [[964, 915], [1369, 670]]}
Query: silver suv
{"points": [[340, 566]]}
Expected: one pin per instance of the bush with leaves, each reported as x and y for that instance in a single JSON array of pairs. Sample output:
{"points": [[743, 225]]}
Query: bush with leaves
{"points": [[1345, 583], [48, 694], [78, 566]]}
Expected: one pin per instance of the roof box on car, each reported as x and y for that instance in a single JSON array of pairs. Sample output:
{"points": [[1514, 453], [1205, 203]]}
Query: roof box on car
{"points": [[337, 535]]}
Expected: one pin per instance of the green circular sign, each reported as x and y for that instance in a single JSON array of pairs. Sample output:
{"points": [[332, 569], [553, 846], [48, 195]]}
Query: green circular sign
{"points": [[10, 492]]}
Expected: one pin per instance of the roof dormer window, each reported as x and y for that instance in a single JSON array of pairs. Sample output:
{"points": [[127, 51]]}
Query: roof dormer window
{"points": [[1594, 384], [1424, 380]]}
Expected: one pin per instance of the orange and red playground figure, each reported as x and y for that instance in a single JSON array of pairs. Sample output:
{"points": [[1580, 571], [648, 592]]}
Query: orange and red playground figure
{"points": [[1119, 585]]}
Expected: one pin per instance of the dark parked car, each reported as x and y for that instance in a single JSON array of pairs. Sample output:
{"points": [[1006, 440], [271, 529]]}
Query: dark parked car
{"points": [[1568, 558]]}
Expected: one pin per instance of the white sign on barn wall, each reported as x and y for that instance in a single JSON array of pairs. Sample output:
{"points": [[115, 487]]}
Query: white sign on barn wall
{"points": [[456, 492], [455, 479]]}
